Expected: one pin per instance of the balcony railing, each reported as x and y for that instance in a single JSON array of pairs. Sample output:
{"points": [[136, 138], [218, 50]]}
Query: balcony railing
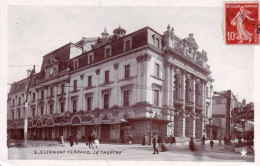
{"points": [[199, 100], [178, 95], [189, 97]]}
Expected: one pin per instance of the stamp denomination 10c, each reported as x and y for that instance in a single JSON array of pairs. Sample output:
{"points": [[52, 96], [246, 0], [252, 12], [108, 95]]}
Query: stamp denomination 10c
{"points": [[241, 23]]}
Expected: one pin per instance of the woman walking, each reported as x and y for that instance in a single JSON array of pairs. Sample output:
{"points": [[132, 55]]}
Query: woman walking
{"points": [[155, 150]]}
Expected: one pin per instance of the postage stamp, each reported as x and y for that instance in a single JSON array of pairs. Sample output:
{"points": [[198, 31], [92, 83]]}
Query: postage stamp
{"points": [[241, 23]]}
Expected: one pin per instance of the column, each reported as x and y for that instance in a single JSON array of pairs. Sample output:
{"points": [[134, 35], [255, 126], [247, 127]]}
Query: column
{"points": [[182, 120], [171, 86], [138, 82], [45, 101], [167, 84], [97, 72], [67, 90], [116, 91], [55, 106], [193, 127]]}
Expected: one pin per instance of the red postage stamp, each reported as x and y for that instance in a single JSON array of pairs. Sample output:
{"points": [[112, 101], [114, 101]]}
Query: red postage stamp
{"points": [[241, 23]]}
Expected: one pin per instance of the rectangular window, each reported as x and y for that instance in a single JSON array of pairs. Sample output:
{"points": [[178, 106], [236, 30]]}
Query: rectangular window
{"points": [[62, 88], [33, 96], [42, 94], [51, 109], [42, 110], [126, 98], [13, 115], [157, 43], [157, 70], [51, 91], [13, 102], [106, 101], [74, 105], [89, 81], [62, 107], [89, 100], [127, 71], [106, 76], [19, 100], [19, 114], [90, 59], [33, 112], [107, 53], [76, 64], [127, 45], [75, 85], [156, 97]]}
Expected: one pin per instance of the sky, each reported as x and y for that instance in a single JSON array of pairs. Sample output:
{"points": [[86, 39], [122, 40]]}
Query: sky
{"points": [[34, 31]]}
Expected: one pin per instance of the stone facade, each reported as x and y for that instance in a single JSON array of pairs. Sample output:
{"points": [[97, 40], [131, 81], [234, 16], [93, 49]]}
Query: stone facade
{"points": [[117, 86]]}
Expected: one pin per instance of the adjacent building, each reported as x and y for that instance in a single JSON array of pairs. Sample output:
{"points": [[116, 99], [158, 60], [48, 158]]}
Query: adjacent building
{"points": [[115, 86], [220, 116]]}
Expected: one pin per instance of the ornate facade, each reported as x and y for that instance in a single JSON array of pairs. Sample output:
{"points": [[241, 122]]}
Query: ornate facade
{"points": [[115, 86]]}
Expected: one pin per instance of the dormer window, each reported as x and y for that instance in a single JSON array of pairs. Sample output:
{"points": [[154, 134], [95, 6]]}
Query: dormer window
{"points": [[90, 58], [107, 51], [157, 41], [127, 44], [76, 64]]}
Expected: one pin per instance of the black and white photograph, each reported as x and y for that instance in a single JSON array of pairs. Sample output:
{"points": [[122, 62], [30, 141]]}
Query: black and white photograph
{"points": [[127, 82]]}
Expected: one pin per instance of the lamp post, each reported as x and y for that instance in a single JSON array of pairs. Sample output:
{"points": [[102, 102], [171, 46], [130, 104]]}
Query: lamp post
{"points": [[151, 123]]}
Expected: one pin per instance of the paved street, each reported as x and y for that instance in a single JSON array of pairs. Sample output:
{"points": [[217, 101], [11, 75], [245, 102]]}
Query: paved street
{"points": [[128, 152]]}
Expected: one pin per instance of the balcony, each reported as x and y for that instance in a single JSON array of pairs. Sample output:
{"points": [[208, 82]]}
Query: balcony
{"points": [[178, 99], [189, 99], [199, 102]]}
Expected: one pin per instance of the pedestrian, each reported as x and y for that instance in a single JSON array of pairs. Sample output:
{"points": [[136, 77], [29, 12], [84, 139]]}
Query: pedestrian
{"points": [[225, 140], [211, 144], [220, 139], [77, 139], [144, 140], [155, 150], [71, 141], [171, 140], [174, 140], [159, 140], [90, 142], [96, 142], [203, 140], [163, 140], [191, 144]]}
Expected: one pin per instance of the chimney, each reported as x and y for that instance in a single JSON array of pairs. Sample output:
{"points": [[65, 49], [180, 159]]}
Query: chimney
{"points": [[29, 72]]}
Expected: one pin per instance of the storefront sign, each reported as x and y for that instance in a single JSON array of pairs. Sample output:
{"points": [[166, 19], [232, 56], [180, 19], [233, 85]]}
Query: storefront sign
{"points": [[243, 113]]}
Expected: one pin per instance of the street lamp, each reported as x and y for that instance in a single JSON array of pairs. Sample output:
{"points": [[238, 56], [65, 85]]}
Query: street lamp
{"points": [[151, 122]]}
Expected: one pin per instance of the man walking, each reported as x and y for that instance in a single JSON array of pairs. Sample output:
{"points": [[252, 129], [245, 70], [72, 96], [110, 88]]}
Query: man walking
{"points": [[155, 150], [171, 140], [77, 139], [174, 140], [191, 144], [211, 144], [203, 140], [71, 141], [90, 142], [220, 139]]}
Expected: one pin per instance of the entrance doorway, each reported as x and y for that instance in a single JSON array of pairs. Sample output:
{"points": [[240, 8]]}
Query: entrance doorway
{"points": [[105, 132]]}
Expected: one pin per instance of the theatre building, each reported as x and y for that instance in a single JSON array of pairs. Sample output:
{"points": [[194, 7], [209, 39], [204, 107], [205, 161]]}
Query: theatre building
{"points": [[116, 86]]}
